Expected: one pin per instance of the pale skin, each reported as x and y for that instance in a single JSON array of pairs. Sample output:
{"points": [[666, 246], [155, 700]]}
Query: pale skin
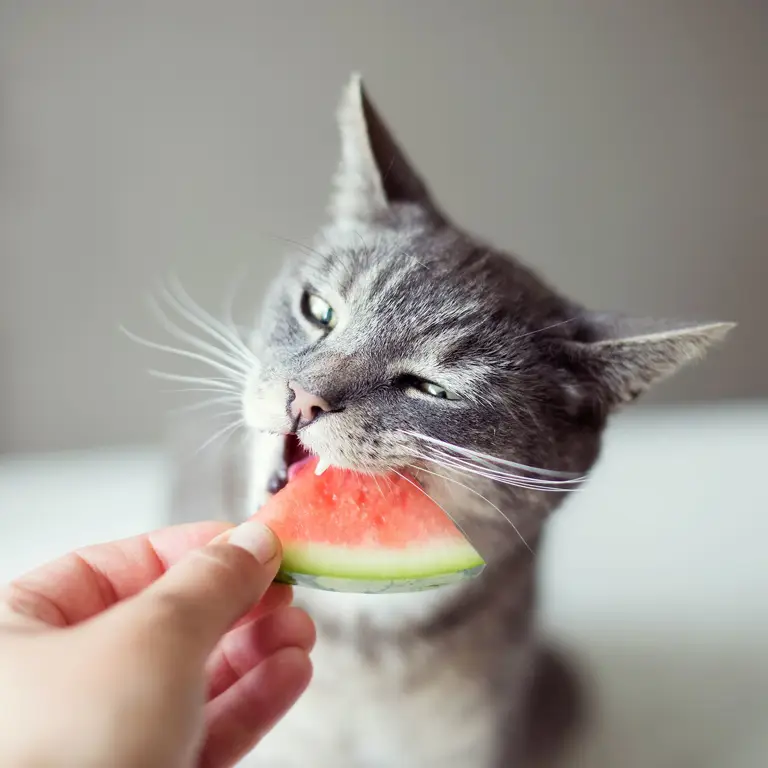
{"points": [[173, 649]]}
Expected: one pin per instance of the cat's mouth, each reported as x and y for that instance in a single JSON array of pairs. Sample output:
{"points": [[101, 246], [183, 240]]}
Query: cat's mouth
{"points": [[295, 456]]}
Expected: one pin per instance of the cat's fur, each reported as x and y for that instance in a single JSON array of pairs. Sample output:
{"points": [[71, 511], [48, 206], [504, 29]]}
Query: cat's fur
{"points": [[442, 679]]}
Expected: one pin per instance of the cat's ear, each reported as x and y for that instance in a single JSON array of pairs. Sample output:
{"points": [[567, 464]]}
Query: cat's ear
{"points": [[624, 357], [374, 173]]}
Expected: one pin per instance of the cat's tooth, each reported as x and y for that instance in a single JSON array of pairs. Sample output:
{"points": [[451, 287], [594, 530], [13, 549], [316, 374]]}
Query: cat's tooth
{"points": [[322, 465]]}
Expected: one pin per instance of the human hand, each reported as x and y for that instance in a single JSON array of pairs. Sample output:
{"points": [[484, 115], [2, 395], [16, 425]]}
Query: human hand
{"points": [[168, 650]]}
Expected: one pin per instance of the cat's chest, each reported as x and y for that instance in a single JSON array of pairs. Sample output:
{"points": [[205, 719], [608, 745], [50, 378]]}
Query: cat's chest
{"points": [[378, 703]]}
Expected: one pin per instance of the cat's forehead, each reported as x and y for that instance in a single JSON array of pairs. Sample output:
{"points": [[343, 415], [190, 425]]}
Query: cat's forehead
{"points": [[408, 275]]}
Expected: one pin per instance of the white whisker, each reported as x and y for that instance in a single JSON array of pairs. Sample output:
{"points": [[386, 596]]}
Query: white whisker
{"points": [[228, 307], [375, 480], [233, 412], [308, 250], [195, 314], [184, 390], [526, 483], [477, 493], [542, 330], [494, 459], [219, 384], [417, 486], [227, 431], [236, 359], [494, 473], [209, 404], [220, 367]]}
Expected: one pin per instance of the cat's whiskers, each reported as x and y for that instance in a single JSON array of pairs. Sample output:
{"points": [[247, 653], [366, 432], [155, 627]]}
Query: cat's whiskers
{"points": [[375, 480], [453, 491], [231, 355], [232, 369], [494, 473], [308, 250], [544, 329], [191, 311], [505, 478], [479, 455], [219, 347], [476, 493], [434, 501], [225, 432], [231, 412], [219, 385], [388, 480], [415, 258], [187, 390], [210, 403], [228, 307], [458, 458], [366, 249]]}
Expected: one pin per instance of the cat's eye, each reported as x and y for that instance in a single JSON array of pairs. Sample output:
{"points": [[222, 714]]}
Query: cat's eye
{"points": [[427, 388], [319, 310]]}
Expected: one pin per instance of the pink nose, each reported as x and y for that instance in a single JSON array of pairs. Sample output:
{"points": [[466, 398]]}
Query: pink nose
{"points": [[305, 406]]}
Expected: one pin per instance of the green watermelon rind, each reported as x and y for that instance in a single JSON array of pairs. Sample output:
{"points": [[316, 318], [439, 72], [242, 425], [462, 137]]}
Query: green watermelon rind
{"points": [[419, 560], [370, 570], [376, 586]]}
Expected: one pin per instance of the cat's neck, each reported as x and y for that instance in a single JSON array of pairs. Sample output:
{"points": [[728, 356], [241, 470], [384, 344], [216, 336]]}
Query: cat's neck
{"points": [[386, 613]]}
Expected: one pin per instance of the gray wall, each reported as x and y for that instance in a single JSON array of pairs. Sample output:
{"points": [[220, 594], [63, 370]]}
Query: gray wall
{"points": [[620, 147]]}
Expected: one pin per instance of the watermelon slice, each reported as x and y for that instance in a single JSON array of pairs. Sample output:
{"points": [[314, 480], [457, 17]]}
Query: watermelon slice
{"points": [[345, 531]]}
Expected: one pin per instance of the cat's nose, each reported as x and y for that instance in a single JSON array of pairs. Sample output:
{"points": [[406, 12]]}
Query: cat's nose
{"points": [[305, 407]]}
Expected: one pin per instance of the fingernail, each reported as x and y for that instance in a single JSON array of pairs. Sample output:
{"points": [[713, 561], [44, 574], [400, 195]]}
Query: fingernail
{"points": [[256, 538]]}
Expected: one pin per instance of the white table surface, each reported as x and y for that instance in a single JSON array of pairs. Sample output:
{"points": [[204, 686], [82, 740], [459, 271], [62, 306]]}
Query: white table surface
{"points": [[656, 576]]}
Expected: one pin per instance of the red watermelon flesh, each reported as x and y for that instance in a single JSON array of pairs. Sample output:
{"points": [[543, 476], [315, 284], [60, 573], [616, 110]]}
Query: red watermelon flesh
{"points": [[352, 532]]}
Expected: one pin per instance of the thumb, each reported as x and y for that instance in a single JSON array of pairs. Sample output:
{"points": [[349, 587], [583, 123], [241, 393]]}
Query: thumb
{"points": [[198, 599]]}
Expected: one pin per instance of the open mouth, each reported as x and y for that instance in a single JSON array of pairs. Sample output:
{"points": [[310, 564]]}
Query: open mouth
{"points": [[295, 456]]}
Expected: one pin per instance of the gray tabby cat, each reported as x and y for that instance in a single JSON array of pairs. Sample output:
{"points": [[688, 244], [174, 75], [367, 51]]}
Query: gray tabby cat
{"points": [[402, 342]]}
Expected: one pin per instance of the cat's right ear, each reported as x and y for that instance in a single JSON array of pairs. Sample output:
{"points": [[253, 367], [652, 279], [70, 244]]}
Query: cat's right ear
{"points": [[374, 174], [623, 357]]}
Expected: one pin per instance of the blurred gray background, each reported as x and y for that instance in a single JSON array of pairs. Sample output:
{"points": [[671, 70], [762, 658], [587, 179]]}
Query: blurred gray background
{"points": [[619, 147]]}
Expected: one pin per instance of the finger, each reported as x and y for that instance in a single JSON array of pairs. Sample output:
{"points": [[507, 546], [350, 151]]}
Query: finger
{"points": [[277, 596], [239, 718], [187, 610], [246, 647], [81, 584]]}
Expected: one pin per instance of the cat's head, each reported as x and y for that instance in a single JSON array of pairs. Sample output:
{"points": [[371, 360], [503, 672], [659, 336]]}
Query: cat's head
{"points": [[400, 342]]}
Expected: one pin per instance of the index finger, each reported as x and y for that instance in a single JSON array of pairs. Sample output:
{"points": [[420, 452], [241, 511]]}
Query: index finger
{"points": [[85, 582]]}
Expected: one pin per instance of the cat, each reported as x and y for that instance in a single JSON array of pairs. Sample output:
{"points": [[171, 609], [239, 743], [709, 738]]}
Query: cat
{"points": [[400, 341]]}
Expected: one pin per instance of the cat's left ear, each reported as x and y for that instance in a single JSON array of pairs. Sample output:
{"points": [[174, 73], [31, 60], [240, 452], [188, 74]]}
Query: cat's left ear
{"points": [[624, 357], [374, 174]]}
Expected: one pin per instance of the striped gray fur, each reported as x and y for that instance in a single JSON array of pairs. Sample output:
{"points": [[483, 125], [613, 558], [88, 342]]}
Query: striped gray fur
{"points": [[446, 678]]}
